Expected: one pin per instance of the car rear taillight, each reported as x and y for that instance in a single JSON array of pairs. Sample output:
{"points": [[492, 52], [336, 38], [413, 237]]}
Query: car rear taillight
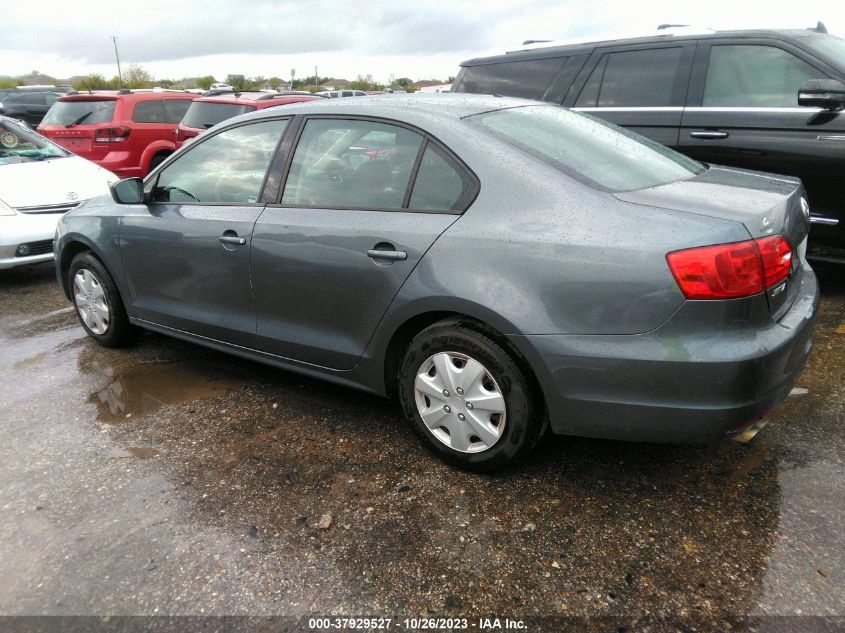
{"points": [[728, 271], [777, 258], [112, 134]]}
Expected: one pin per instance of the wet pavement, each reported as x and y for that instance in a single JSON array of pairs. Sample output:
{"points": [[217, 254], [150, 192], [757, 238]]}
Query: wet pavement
{"points": [[170, 479]]}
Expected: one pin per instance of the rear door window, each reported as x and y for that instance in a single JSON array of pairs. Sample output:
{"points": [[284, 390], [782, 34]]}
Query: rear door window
{"points": [[81, 112], [351, 164], [148, 112], [755, 76], [527, 79], [638, 78]]}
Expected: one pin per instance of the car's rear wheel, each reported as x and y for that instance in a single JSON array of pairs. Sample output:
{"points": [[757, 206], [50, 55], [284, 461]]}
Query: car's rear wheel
{"points": [[468, 397], [98, 303], [158, 159]]}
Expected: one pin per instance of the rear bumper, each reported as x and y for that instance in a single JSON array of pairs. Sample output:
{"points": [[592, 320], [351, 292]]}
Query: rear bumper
{"points": [[712, 367], [122, 164]]}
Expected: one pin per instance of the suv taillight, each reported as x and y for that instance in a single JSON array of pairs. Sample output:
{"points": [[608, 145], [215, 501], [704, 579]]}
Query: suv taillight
{"points": [[112, 134], [728, 271]]}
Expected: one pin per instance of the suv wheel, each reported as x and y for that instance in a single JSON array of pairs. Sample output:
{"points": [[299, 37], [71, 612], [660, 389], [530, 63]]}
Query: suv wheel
{"points": [[468, 398], [98, 303]]}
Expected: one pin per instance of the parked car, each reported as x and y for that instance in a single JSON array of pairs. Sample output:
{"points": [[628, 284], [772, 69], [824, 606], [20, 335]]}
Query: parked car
{"points": [[219, 86], [39, 181], [334, 94], [128, 132], [28, 106], [206, 112], [765, 99], [508, 265]]}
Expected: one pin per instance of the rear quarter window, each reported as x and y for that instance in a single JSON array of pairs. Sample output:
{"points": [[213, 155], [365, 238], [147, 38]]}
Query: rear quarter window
{"points": [[527, 79], [148, 112], [175, 109]]}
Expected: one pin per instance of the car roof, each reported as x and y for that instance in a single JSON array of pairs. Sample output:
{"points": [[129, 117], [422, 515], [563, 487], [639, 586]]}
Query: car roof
{"points": [[253, 97], [540, 49], [128, 96], [415, 109]]}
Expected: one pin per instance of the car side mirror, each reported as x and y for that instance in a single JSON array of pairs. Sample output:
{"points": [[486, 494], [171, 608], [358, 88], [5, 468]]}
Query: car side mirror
{"points": [[128, 191], [822, 93]]}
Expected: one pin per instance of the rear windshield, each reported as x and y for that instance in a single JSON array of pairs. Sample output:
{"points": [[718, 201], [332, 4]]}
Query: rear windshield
{"points": [[600, 153], [80, 112], [19, 144], [203, 114]]}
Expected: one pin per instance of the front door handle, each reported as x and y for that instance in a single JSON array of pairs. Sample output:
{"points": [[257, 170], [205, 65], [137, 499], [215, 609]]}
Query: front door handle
{"points": [[709, 136], [389, 255], [232, 239]]}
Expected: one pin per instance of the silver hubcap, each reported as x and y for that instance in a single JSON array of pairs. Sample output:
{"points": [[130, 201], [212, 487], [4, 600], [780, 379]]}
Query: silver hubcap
{"points": [[460, 402], [90, 301]]}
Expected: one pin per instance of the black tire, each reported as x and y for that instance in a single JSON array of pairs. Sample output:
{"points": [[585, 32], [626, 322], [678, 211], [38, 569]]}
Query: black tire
{"points": [[524, 418], [157, 160], [119, 331]]}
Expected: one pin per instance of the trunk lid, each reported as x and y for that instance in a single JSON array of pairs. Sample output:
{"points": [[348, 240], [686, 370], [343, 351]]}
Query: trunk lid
{"points": [[765, 204]]}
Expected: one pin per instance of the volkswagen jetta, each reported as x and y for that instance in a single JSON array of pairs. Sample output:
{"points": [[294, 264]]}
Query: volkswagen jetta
{"points": [[502, 266]]}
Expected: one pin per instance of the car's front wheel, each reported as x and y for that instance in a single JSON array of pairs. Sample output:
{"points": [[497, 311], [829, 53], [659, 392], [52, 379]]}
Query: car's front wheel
{"points": [[98, 303], [467, 396]]}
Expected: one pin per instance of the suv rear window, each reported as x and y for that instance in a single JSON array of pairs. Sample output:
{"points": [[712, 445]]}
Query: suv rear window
{"points": [[83, 112], [526, 79], [587, 148], [204, 114]]}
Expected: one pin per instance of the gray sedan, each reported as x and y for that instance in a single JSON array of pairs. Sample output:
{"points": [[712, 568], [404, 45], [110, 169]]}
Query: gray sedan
{"points": [[502, 266]]}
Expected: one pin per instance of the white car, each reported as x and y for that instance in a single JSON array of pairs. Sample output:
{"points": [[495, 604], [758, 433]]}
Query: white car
{"points": [[39, 182]]}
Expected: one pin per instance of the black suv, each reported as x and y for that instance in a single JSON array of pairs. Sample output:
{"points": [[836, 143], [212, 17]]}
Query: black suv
{"points": [[29, 105], [724, 97]]}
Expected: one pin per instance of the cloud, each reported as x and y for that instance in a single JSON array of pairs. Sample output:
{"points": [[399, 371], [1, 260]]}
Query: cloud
{"points": [[417, 38]]}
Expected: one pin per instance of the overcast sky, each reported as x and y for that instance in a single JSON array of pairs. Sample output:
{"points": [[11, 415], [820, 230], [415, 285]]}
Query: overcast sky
{"points": [[414, 38]]}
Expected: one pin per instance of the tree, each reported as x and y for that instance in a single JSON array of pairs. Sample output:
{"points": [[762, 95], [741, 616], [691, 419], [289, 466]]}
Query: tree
{"points": [[236, 81], [8, 82], [93, 82], [364, 82], [205, 82], [137, 77]]}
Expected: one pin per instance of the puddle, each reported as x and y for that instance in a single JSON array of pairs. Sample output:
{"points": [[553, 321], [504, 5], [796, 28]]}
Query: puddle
{"points": [[141, 452], [143, 389]]}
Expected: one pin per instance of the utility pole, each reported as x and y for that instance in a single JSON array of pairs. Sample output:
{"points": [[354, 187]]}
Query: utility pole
{"points": [[117, 57], [316, 77]]}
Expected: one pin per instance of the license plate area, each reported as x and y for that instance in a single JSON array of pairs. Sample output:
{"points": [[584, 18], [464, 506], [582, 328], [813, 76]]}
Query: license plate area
{"points": [[75, 144]]}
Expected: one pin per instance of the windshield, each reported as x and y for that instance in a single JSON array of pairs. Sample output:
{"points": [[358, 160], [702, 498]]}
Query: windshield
{"points": [[204, 114], [828, 46], [21, 145], [80, 112], [606, 156]]}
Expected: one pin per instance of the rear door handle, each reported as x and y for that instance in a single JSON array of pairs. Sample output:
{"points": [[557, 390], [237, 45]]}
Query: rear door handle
{"points": [[710, 136], [232, 239], [391, 255]]}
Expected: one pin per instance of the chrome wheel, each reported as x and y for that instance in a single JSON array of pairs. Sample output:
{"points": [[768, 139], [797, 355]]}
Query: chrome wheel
{"points": [[90, 301], [460, 402]]}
